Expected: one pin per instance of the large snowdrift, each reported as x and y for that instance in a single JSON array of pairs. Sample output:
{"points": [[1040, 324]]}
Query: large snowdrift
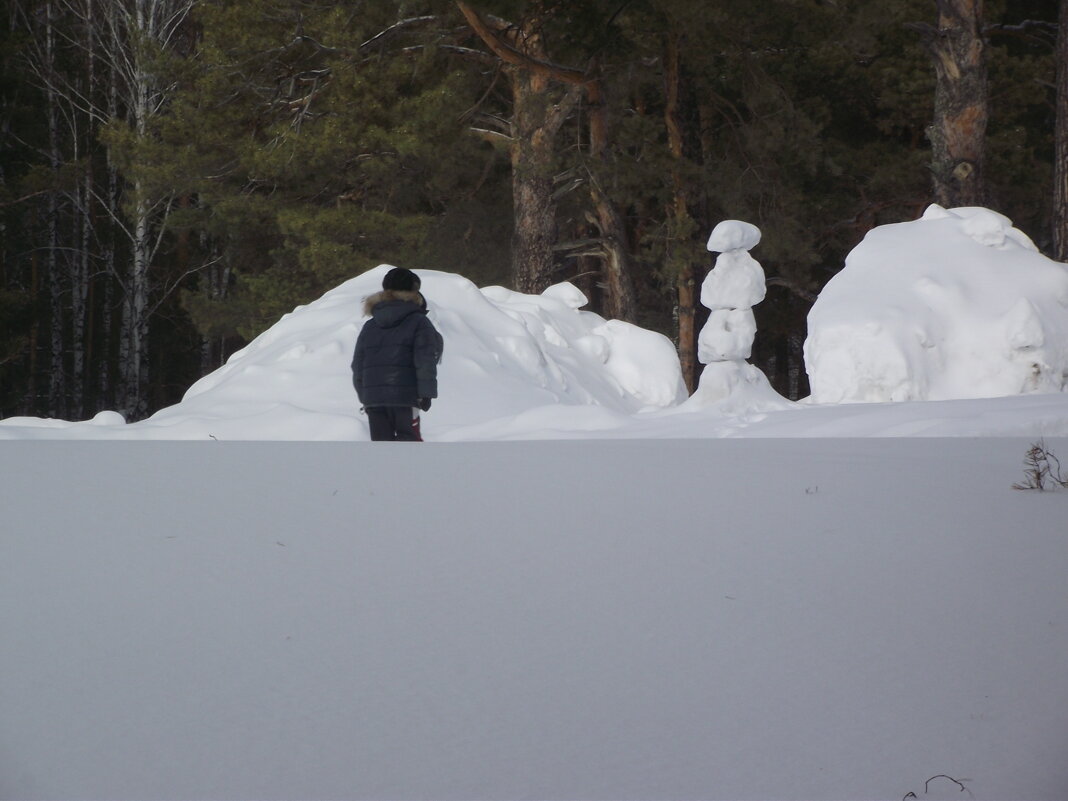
{"points": [[957, 304], [506, 354]]}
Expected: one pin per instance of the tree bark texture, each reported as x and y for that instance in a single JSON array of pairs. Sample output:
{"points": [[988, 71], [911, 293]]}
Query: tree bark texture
{"points": [[618, 273], [961, 108], [536, 121], [57, 374], [685, 279], [532, 154], [1060, 142]]}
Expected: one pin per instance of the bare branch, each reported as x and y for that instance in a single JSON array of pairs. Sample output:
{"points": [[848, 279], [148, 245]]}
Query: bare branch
{"points": [[24, 198], [493, 137], [801, 292], [562, 110], [177, 282], [393, 29], [511, 55], [1032, 31]]}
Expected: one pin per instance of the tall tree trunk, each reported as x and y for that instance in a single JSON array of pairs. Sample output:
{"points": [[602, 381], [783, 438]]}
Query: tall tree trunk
{"points": [[137, 29], [107, 372], [80, 300], [958, 132], [532, 184], [56, 386], [136, 320], [80, 272], [536, 120], [618, 272], [679, 214], [1060, 142], [136, 317]]}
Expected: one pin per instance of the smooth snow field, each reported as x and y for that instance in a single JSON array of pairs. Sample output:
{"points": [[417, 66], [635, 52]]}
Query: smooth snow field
{"points": [[753, 618]]}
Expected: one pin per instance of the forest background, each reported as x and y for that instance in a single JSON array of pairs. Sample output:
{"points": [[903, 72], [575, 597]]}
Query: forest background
{"points": [[177, 174]]}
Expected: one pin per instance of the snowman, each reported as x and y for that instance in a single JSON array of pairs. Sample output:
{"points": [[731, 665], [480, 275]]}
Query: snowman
{"points": [[731, 289]]}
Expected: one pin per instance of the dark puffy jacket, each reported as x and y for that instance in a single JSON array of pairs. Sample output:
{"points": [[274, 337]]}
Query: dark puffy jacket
{"points": [[397, 352]]}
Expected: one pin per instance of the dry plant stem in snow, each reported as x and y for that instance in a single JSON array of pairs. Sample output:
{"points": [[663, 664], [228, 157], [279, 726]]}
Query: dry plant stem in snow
{"points": [[1042, 470], [927, 786]]}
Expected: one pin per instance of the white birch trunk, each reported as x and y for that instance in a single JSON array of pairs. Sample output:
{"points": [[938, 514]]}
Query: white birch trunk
{"points": [[79, 302], [135, 23], [110, 256], [138, 289], [81, 264]]}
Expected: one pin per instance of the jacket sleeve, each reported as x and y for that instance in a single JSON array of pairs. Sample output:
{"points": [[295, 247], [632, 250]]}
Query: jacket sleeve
{"points": [[426, 352], [357, 365]]}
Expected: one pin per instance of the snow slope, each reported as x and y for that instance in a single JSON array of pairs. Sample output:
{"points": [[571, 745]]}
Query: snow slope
{"points": [[715, 619]]}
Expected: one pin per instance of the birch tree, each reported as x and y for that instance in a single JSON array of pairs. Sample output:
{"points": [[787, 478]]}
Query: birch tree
{"points": [[111, 85], [46, 54], [139, 33]]}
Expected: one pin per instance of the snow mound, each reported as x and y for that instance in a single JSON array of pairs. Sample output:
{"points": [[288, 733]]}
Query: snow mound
{"points": [[505, 353], [956, 304]]}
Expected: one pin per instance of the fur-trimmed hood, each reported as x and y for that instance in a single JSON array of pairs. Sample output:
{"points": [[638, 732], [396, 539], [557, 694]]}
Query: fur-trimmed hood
{"points": [[412, 296], [390, 306]]}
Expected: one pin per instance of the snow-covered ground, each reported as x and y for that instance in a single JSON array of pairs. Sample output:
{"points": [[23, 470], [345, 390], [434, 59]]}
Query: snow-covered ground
{"points": [[727, 597], [622, 619]]}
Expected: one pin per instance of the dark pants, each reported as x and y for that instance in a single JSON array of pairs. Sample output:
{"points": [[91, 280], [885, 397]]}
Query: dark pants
{"points": [[393, 423]]}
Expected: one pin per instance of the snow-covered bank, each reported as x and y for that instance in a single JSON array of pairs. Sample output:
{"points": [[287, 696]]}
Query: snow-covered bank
{"points": [[505, 354], [957, 304], [742, 619]]}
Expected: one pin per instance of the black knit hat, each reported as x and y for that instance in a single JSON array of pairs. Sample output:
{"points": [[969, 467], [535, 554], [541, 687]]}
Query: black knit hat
{"points": [[401, 280]]}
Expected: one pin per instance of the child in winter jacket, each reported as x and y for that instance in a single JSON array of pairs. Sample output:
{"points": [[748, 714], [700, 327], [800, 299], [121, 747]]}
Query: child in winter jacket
{"points": [[394, 366]]}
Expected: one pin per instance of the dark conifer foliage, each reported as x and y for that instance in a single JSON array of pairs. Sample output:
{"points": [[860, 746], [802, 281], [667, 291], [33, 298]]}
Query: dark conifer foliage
{"points": [[167, 194]]}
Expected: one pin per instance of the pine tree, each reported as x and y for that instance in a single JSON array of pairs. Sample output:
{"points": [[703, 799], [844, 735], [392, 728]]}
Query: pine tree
{"points": [[322, 139]]}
